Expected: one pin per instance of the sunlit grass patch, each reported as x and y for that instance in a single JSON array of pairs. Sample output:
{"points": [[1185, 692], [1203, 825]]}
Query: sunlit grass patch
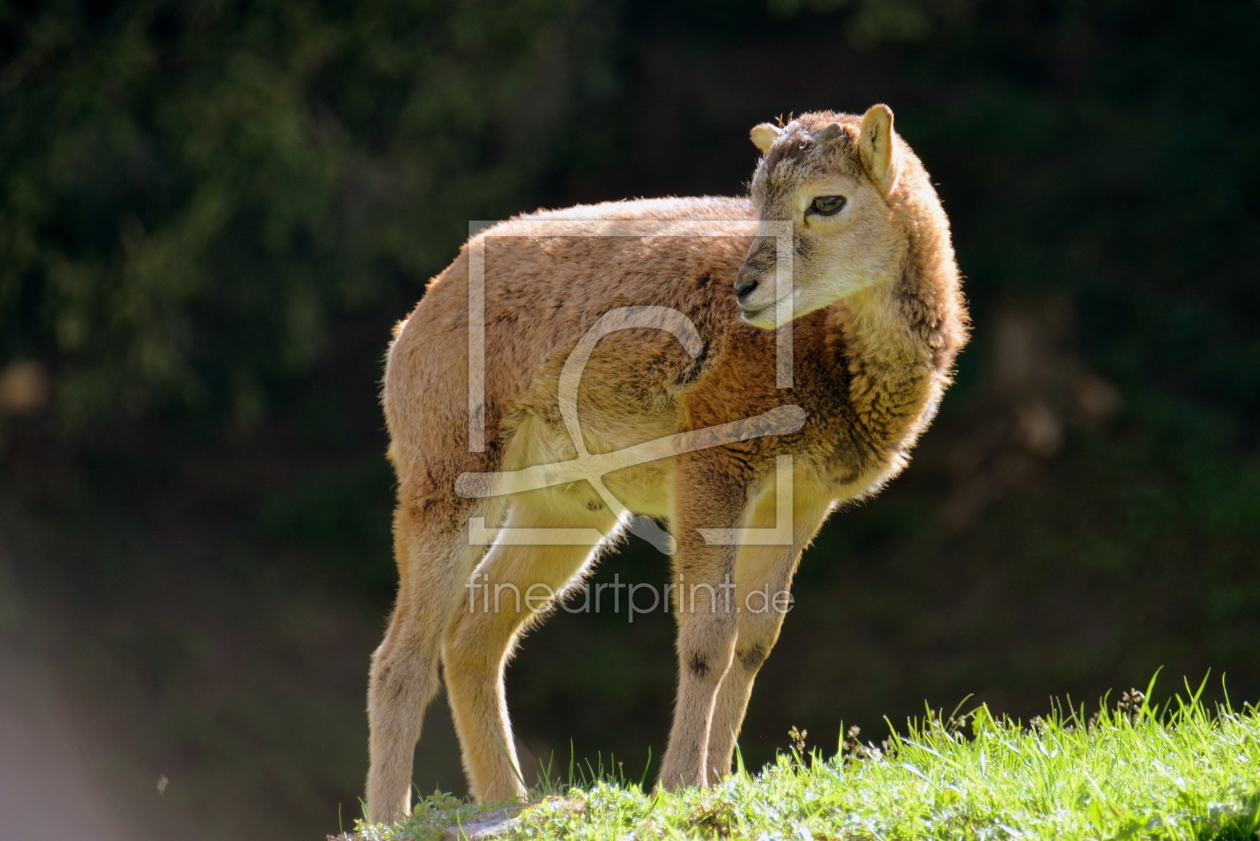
{"points": [[1129, 771]]}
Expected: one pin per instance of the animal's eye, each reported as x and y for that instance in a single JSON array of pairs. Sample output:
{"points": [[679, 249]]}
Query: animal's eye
{"points": [[827, 205]]}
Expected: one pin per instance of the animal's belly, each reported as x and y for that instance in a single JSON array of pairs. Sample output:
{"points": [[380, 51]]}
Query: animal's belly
{"points": [[645, 489], [642, 488]]}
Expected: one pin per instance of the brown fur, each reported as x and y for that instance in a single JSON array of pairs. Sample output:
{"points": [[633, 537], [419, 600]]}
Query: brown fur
{"points": [[879, 318]]}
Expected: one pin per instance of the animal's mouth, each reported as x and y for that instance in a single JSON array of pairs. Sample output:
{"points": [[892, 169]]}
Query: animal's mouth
{"points": [[752, 314]]}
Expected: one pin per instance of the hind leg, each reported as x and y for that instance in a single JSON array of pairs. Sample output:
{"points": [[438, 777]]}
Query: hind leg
{"points": [[512, 587], [434, 560]]}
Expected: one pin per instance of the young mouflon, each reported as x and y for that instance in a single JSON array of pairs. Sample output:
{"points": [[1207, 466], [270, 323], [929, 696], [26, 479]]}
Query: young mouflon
{"points": [[735, 382]]}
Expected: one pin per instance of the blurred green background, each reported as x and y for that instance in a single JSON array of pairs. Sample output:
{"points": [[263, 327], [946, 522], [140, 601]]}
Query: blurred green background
{"points": [[212, 212]]}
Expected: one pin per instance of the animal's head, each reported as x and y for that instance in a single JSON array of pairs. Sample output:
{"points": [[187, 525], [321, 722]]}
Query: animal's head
{"points": [[834, 178]]}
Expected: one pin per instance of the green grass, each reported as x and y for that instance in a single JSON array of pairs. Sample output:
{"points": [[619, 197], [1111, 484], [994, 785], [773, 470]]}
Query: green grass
{"points": [[1132, 771]]}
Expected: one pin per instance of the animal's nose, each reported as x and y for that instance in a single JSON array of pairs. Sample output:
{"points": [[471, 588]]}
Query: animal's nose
{"points": [[745, 283]]}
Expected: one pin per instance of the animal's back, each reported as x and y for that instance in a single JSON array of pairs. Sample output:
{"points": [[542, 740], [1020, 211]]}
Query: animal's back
{"points": [[547, 278]]}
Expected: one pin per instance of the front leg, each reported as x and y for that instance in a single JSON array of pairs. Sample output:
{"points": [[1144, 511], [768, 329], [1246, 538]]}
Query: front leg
{"points": [[763, 577], [710, 491]]}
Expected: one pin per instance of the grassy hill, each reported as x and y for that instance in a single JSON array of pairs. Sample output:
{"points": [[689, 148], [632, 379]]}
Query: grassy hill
{"points": [[1128, 771]]}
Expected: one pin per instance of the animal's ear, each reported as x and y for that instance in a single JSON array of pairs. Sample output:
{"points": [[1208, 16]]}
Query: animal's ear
{"points": [[763, 136], [878, 150]]}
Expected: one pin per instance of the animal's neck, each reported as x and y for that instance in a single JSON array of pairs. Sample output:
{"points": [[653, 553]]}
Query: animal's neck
{"points": [[899, 347]]}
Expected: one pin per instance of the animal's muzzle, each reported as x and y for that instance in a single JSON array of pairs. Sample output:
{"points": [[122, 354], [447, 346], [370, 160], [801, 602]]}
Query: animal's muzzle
{"points": [[760, 259], [745, 282]]}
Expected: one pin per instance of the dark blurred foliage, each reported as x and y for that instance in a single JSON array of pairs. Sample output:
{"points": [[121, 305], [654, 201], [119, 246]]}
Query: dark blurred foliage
{"points": [[193, 192], [212, 212]]}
